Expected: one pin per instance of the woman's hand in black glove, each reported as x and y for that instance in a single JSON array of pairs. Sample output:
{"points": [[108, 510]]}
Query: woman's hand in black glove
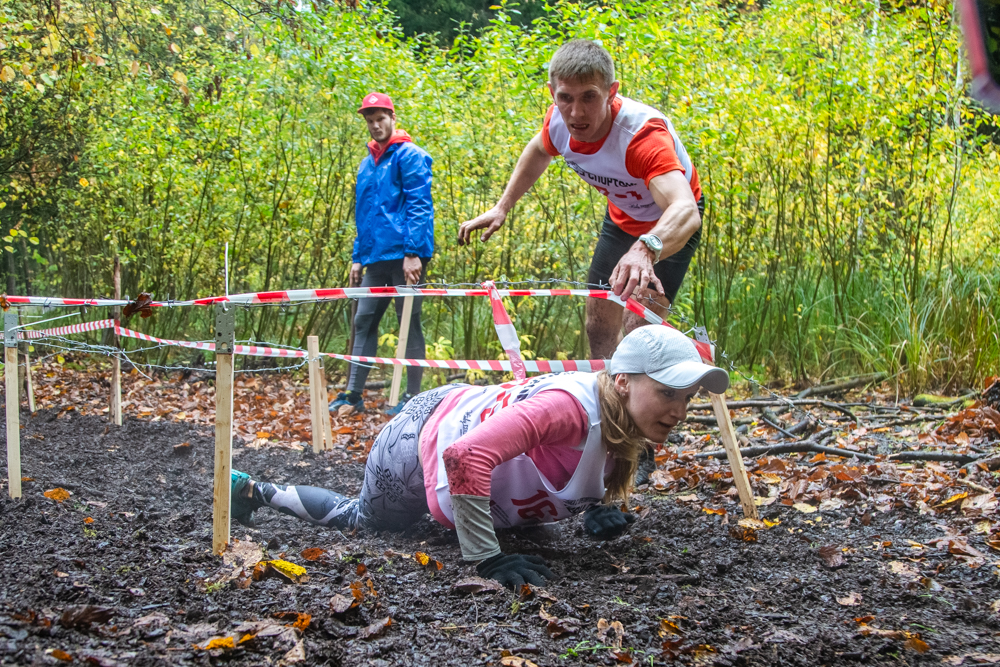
{"points": [[606, 521], [515, 570]]}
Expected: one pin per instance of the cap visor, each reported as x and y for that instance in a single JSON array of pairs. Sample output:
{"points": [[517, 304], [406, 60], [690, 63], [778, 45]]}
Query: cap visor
{"points": [[694, 374]]}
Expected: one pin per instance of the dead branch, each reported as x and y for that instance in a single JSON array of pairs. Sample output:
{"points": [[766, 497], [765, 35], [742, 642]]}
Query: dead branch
{"points": [[843, 386]]}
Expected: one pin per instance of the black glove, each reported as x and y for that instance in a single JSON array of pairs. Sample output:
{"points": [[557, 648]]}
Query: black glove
{"points": [[515, 570], [606, 521]]}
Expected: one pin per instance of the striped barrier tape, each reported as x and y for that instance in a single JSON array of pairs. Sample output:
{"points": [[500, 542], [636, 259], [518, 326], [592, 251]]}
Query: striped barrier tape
{"points": [[535, 366], [506, 332], [96, 325]]}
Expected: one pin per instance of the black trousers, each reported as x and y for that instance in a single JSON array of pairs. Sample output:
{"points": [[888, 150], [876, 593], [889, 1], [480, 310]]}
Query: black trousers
{"points": [[370, 311]]}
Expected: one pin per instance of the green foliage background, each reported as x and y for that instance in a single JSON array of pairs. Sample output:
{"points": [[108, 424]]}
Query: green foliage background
{"points": [[852, 220]]}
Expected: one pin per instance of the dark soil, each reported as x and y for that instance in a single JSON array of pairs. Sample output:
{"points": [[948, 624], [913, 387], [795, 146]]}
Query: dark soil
{"points": [[147, 552]]}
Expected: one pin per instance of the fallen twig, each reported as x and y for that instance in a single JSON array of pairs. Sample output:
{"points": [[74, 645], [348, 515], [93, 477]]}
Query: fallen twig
{"points": [[842, 386], [778, 428], [915, 420], [977, 487], [841, 409]]}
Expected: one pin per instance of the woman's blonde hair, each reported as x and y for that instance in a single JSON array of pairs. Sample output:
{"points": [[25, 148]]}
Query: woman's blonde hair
{"points": [[621, 437]]}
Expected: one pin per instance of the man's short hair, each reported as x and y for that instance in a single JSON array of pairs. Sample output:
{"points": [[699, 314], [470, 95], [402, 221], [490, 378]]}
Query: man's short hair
{"points": [[582, 60]]}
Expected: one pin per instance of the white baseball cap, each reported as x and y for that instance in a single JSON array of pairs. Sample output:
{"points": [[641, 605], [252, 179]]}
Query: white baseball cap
{"points": [[667, 356]]}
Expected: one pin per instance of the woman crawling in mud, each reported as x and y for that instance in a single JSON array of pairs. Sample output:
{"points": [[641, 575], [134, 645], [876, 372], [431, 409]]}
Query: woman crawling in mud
{"points": [[533, 451]]}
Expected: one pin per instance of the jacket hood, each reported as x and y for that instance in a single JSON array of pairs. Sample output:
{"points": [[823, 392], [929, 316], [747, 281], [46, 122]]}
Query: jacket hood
{"points": [[398, 137]]}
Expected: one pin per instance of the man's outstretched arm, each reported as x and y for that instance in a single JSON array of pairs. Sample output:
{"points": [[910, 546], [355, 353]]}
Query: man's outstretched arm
{"points": [[530, 166], [680, 220]]}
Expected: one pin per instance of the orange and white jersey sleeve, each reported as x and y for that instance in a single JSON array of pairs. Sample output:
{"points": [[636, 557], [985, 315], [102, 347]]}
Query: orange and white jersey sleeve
{"points": [[641, 145]]}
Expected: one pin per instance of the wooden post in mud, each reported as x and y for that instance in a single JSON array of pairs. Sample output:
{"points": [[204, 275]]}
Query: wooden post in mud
{"points": [[13, 404], [225, 343], [322, 432], [115, 407], [732, 447], [404, 336]]}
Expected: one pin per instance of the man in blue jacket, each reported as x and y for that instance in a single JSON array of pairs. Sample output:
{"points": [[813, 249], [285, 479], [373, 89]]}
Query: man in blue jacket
{"points": [[394, 216]]}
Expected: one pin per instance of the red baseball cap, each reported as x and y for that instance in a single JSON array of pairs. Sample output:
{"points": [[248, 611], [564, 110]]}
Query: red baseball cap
{"points": [[376, 101]]}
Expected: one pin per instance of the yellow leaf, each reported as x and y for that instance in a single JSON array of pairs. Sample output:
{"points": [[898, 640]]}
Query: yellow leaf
{"points": [[7, 74], [772, 524], [134, 69], [422, 558], [174, 48], [294, 573], [770, 478], [753, 524], [198, 30], [180, 78], [805, 508], [955, 498], [916, 644], [83, 183], [225, 643], [90, 31]]}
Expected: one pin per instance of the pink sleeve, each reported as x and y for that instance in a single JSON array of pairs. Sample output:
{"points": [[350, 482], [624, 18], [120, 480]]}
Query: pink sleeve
{"points": [[551, 417]]}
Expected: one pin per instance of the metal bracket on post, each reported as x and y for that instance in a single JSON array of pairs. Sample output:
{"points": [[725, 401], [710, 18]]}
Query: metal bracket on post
{"points": [[225, 328], [701, 335], [10, 329]]}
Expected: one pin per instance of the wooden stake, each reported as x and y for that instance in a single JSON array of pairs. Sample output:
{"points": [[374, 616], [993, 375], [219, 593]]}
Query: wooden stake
{"points": [[115, 407], [732, 448], [316, 407], [324, 402], [13, 405], [224, 344], [404, 335], [28, 385]]}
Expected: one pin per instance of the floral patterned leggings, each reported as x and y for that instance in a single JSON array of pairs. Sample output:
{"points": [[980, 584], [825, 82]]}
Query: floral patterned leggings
{"points": [[392, 494]]}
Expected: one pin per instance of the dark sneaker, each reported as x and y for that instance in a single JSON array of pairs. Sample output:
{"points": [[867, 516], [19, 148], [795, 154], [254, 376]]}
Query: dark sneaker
{"points": [[396, 409], [343, 400], [242, 507], [647, 464]]}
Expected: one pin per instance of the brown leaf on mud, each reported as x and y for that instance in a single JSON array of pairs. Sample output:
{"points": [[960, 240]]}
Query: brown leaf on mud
{"points": [[743, 533], [312, 553], [84, 616], [427, 561], [300, 620], [341, 604], [558, 627], [850, 600], [473, 585], [182, 449], [669, 627], [361, 570], [375, 629], [515, 661], [59, 654], [57, 494], [832, 556], [916, 644], [610, 633]]}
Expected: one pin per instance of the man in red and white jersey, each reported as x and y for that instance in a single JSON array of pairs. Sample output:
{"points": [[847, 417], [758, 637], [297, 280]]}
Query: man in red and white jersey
{"points": [[631, 154]]}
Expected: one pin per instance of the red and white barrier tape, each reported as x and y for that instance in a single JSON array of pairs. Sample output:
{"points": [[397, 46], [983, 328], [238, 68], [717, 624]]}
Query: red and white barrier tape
{"points": [[96, 325], [506, 332], [536, 366]]}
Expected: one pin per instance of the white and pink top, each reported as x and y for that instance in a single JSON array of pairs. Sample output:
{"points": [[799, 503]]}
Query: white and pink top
{"points": [[534, 447]]}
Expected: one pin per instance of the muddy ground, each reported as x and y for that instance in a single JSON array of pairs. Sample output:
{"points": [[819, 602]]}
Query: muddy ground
{"points": [[682, 584]]}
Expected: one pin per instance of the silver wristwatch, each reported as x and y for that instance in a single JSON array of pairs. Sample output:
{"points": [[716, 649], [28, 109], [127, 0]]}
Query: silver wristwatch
{"points": [[655, 245]]}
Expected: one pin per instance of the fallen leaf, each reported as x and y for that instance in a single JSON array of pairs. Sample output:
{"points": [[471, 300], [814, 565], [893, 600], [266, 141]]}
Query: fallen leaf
{"points": [[712, 510], [375, 629], [805, 508], [690, 498], [313, 553], [57, 494], [341, 604], [88, 520], [59, 654], [558, 627], [954, 498], [850, 600], [84, 616], [218, 644], [916, 644], [476, 585], [515, 661], [290, 572], [669, 627], [610, 633], [300, 620], [753, 524], [903, 569], [743, 533], [832, 556]]}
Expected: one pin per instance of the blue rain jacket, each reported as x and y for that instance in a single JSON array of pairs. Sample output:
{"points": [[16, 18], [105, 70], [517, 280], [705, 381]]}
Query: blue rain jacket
{"points": [[393, 210]]}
